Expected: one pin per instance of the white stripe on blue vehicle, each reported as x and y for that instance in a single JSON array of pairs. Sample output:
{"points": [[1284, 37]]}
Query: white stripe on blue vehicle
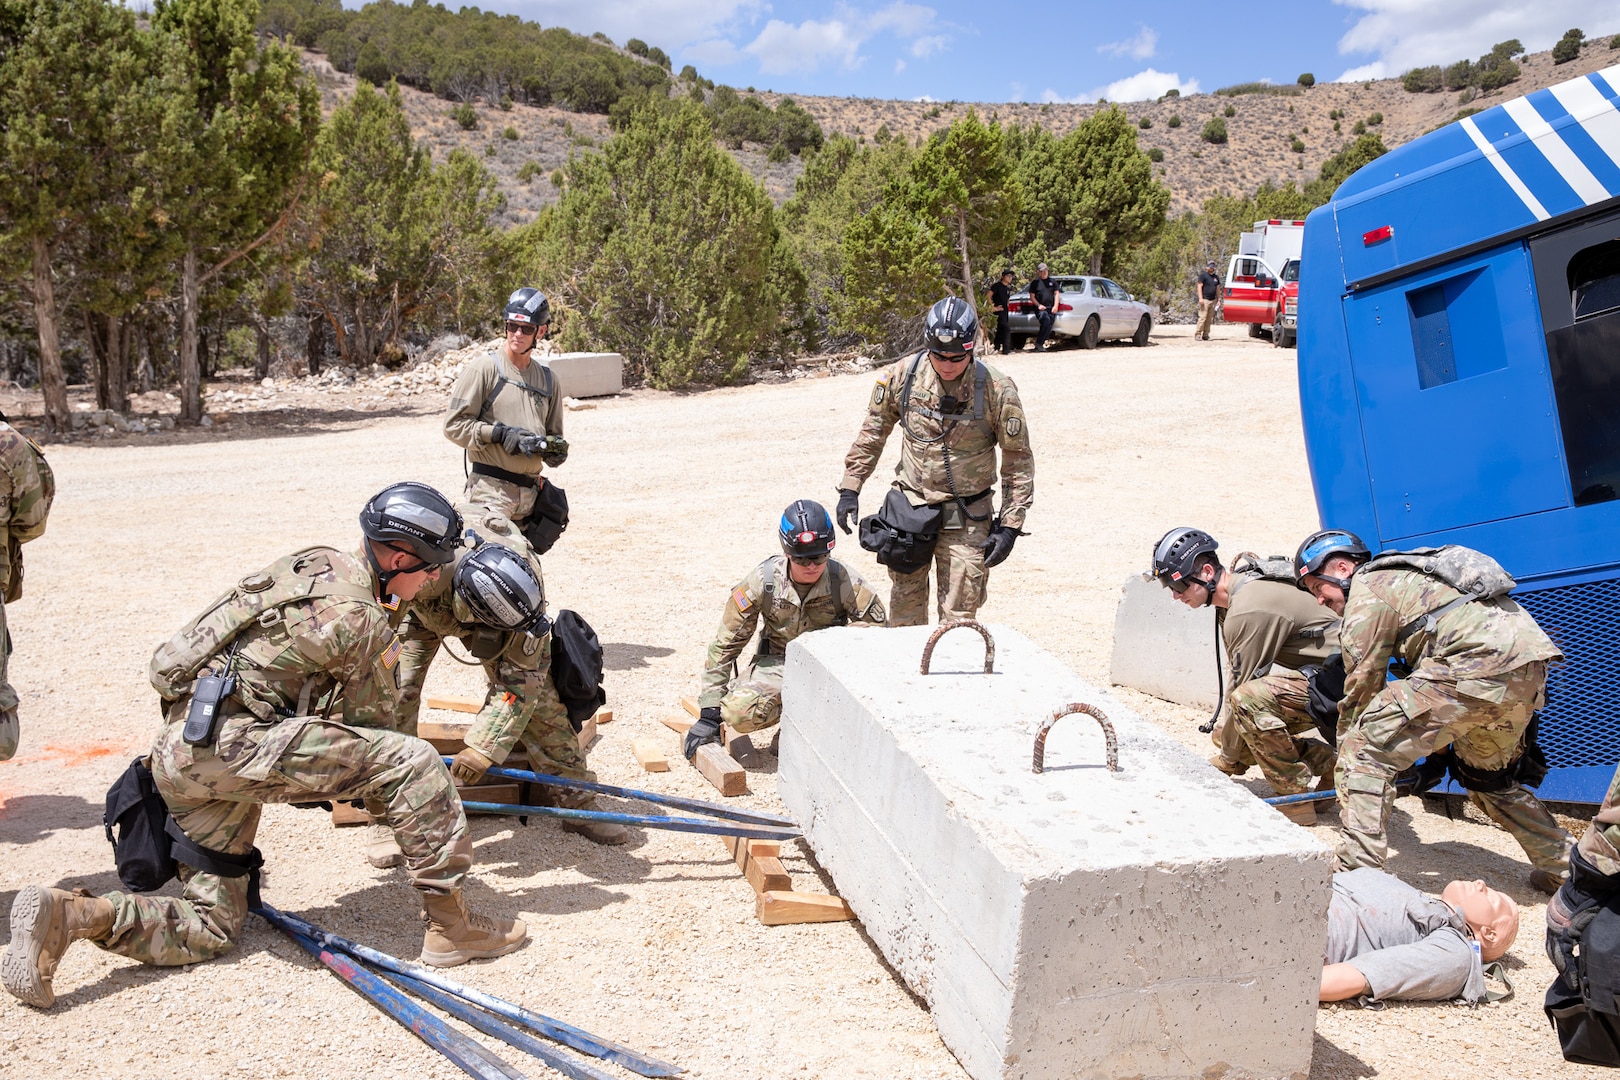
{"points": [[1487, 148], [1556, 151]]}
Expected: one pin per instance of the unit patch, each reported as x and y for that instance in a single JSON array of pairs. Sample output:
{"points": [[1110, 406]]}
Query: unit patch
{"points": [[1015, 426]]}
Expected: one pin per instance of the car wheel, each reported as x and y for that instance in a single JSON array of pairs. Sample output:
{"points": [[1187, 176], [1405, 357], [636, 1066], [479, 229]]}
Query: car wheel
{"points": [[1143, 329], [1279, 337], [1088, 336], [1019, 341], [1254, 329]]}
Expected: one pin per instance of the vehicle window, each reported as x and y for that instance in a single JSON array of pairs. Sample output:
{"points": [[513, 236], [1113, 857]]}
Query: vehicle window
{"points": [[1291, 270], [1072, 284], [1594, 281], [1247, 269], [1584, 356]]}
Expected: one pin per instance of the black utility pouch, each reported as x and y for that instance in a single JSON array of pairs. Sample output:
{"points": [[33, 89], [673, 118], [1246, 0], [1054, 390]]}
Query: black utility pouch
{"points": [[902, 536], [206, 698], [548, 520], [142, 848]]}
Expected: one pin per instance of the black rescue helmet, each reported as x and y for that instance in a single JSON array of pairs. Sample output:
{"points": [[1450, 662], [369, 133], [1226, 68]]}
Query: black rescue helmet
{"points": [[501, 589], [806, 530], [1321, 546], [529, 307], [416, 516], [951, 327], [1175, 558]]}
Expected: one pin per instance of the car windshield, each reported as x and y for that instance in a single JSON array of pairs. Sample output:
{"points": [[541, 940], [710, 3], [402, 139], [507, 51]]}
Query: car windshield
{"points": [[1291, 270]]}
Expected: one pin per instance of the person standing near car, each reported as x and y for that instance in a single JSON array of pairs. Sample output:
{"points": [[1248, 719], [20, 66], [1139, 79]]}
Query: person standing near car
{"points": [[1044, 294], [1208, 295], [1000, 295]]}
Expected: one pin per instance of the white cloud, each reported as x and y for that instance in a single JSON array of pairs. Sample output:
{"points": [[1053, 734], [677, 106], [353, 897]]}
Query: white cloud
{"points": [[1402, 34], [716, 52], [1374, 70], [672, 24], [784, 48], [1143, 86], [899, 66], [1140, 47]]}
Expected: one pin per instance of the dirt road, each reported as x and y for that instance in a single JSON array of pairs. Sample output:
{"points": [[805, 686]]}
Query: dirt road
{"points": [[674, 498]]}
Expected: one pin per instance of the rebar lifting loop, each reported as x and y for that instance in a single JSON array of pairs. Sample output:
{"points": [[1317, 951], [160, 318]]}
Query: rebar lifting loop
{"points": [[989, 643], [1039, 764]]}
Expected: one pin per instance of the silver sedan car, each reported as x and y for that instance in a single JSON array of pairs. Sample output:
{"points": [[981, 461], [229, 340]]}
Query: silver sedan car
{"points": [[1089, 310]]}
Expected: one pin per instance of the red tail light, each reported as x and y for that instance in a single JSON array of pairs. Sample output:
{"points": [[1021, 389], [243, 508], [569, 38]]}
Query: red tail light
{"points": [[1065, 307], [1368, 239]]}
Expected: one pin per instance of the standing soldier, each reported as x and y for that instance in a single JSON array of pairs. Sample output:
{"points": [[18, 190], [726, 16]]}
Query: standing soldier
{"points": [[494, 601], [800, 590], [249, 687], [1476, 672], [954, 411], [26, 490], [506, 412], [1271, 633]]}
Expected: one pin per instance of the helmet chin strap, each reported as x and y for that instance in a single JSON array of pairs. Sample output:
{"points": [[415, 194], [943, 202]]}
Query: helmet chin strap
{"points": [[385, 577]]}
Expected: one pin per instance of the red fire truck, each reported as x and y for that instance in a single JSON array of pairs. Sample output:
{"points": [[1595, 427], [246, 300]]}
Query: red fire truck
{"points": [[1262, 280]]}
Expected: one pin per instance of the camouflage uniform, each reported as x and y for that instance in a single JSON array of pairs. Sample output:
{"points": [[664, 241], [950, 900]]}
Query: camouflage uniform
{"points": [[754, 699], [1601, 844], [927, 469], [1269, 625], [278, 743], [27, 487], [521, 702], [1475, 680], [530, 399]]}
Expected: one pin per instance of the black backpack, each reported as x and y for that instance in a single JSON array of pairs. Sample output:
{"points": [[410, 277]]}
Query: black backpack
{"points": [[576, 667]]}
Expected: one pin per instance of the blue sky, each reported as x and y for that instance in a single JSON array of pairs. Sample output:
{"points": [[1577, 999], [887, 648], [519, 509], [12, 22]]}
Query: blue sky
{"points": [[970, 50]]}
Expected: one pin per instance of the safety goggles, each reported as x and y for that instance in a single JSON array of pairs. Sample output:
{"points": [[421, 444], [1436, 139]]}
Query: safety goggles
{"points": [[810, 560], [950, 358], [1181, 584]]}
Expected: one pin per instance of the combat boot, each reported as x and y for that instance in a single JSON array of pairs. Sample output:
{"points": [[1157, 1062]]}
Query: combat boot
{"points": [[1230, 768], [1300, 813], [382, 850], [43, 922], [597, 832], [456, 935]]}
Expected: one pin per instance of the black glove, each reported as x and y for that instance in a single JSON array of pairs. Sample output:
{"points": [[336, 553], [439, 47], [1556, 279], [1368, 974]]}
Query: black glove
{"points": [[555, 451], [998, 546], [849, 508], [1571, 910], [706, 730], [511, 439]]}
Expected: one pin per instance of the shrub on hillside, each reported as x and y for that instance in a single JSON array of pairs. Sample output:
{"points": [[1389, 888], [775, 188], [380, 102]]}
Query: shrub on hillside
{"points": [[1375, 119], [1423, 80], [1614, 42], [1229, 111], [1155, 153], [528, 171], [1260, 88], [1145, 123], [464, 115], [1306, 79], [1214, 131], [1174, 121], [1297, 145], [510, 133], [370, 66], [1568, 47]]}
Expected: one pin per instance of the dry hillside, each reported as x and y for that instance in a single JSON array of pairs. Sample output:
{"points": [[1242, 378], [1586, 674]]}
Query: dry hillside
{"points": [[1259, 147]]}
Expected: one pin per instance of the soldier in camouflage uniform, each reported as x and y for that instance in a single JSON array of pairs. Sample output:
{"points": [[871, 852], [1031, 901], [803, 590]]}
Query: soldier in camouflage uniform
{"points": [[506, 412], [1477, 672], [954, 412], [514, 643], [1272, 631], [303, 637], [26, 490], [801, 590]]}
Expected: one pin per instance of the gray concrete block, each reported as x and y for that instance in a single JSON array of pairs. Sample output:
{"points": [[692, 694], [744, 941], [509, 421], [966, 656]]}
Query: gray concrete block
{"points": [[583, 375], [1157, 922], [1163, 648]]}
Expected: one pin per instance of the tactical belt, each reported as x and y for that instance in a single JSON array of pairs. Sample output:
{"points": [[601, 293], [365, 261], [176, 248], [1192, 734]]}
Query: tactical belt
{"points": [[480, 469], [210, 861]]}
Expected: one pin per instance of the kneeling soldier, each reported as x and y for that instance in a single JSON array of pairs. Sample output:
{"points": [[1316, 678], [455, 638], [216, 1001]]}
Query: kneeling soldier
{"points": [[286, 647], [1268, 626], [801, 590], [494, 601]]}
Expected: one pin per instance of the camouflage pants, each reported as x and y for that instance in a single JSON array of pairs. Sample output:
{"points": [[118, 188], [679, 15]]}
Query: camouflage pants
{"points": [[8, 696], [215, 793], [961, 578], [1414, 717], [754, 699], [515, 501], [1269, 713]]}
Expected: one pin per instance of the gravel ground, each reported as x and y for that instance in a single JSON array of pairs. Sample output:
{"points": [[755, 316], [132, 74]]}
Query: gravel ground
{"points": [[674, 497]]}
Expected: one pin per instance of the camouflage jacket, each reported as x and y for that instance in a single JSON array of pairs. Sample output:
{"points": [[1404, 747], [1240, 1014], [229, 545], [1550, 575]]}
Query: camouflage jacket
{"points": [[530, 399], [1601, 844], [324, 655], [27, 487], [788, 617], [1476, 641], [1269, 622], [519, 674], [971, 443]]}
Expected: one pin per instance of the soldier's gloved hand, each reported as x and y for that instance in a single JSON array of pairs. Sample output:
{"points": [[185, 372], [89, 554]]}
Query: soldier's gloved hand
{"points": [[998, 545], [469, 766], [1571, 910], [849, 508], [511, 439], [555, 451], [706, 730]]}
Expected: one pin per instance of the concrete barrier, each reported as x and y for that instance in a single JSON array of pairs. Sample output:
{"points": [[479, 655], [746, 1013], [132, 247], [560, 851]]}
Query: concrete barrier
{"points": [[1159, 921], [583, 375], [1163, 648]]}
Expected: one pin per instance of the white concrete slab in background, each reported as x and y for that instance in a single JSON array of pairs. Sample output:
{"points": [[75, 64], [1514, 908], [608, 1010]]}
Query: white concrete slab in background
{"points": [[1164, 648], [584, 375]]}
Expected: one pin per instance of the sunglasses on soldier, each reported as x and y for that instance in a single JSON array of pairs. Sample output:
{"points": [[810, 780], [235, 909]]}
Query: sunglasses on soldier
{"points": [[519, 328], [809, 560]]}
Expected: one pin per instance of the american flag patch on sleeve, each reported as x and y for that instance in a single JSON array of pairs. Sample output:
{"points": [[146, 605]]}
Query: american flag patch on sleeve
{"points": [[390, 655], [739, 596]]}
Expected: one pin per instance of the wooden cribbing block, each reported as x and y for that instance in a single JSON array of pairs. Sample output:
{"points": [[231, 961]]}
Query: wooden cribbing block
{"points": [[690, 705], [739, 745], [453, 702], [604, 715], [509, 793], [650, 755], [677, 726], [718, 768], [587, 732], [344, 814], [759, 865], [779, 908]]}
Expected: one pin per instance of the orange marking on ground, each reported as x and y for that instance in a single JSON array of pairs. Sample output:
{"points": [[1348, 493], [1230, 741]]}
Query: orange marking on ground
{"points": [[70, 755]]}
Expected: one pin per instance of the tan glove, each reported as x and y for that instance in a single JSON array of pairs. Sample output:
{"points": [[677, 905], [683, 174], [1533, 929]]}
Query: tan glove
{"points": [[469, 766]]}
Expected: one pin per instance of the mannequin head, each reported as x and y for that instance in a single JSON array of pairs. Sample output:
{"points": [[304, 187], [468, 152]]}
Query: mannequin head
{"points": [[1491, 915]]}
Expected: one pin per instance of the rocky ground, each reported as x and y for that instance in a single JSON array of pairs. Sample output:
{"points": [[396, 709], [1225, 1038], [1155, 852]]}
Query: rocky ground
{"points": [[674, 498]]}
